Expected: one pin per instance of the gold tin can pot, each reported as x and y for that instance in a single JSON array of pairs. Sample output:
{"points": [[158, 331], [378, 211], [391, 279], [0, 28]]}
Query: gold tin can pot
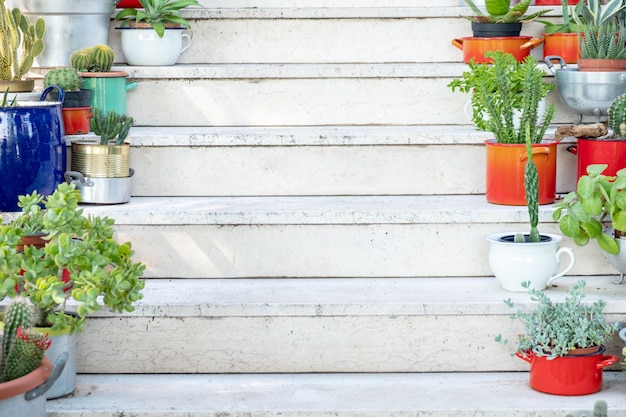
{"points": [[101, 161]]}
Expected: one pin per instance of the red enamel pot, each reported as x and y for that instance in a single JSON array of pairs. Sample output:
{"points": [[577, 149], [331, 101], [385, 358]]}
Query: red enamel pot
{"points": [[569, 374], [506, 164], [475, 48], [599, 151]]}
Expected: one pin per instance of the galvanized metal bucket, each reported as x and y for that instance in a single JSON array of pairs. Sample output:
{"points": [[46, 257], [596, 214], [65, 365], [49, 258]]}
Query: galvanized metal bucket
{"points": [[101, 190], [100, 161]]}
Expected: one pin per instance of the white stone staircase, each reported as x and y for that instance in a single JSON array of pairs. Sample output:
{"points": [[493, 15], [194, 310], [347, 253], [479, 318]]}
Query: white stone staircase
{"points": [[308, 202]]}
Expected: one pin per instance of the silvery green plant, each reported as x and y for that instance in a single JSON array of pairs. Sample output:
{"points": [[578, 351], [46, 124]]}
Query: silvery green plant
{"points": [[600, 409], [553, 329]]}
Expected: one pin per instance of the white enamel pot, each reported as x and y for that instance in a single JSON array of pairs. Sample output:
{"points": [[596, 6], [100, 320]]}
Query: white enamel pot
{"points": [[142, 46]]}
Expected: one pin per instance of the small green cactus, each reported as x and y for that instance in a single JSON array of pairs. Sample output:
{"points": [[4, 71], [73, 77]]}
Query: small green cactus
{"points": [[20, 42], [22, 348], [97, 58], [67, 78], [110, 127], [617, 116]]}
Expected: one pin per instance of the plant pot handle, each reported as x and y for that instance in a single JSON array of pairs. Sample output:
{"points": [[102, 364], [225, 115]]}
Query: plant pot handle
{"points": [[572, 262], [78, 178], [573, 149], [531, 44], [526, 358], [57, 368], [548, 60], [45, 92], [607, 360], [458, 43], [539, 150]]}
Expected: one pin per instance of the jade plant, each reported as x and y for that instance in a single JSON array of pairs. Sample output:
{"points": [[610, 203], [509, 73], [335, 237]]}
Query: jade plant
{"points": [[554, 329], [599, 201], [112, 128], [80, 260], [20, 42], [501, 11], [97, 58], [22, 348], [502, 88]]}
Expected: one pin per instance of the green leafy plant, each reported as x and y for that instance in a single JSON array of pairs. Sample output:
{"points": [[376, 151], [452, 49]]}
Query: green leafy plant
{"points": [[554, 329], [595, 14], [501, 88], [598, 199], [22, 348], [569, 23], [20, 42], [501, 11], [80, 259], [67, 78], [112, 127], [158, 14], [97, 58], [606, 41]]}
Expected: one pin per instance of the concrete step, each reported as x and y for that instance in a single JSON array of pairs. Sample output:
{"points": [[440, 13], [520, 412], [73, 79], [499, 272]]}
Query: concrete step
{"points": [[340, 236], [299, 325], [345, 160], [303, 95], [325, 395]]}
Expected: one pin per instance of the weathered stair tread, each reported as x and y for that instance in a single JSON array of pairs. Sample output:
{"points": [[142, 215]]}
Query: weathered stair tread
{"points": [[317, 297], [317, 395]]}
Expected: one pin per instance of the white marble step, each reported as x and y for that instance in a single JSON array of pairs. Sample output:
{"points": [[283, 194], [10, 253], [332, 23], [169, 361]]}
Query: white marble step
{"points": [[325, 395], [338, 236], [297, 325]]}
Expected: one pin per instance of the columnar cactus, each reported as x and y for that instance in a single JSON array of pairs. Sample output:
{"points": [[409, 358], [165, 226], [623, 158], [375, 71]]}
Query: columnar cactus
{"points": [[22, 348], [20, 42], [98, 58], [112, 127], [67, 78], [617, 116], [531, 184]]}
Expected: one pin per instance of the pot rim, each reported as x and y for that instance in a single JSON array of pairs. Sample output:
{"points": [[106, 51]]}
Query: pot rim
{"points": [[495, 238], [544, 142]]}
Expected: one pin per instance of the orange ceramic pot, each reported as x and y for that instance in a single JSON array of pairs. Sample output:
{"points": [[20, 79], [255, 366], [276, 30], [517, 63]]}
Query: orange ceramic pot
{"points": [[564, 45], [505, 172], [475, 48]]}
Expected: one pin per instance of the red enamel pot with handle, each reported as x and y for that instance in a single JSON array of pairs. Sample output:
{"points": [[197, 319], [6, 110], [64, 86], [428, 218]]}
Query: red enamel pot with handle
{"points": [[599, 151], [569, 374], [475, 48]]}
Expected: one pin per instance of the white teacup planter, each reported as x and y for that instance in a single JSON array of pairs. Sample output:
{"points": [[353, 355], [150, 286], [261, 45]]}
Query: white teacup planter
{"points": [[537, 262], [142, 46]]}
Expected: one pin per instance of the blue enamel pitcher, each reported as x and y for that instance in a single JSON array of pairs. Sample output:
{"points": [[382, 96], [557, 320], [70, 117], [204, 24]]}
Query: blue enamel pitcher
{"points": [[32, 149]]}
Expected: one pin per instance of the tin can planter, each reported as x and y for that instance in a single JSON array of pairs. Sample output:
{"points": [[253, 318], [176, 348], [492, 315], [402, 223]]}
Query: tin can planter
{"points": [[475, 48], [505, 172], [569, 374], [33, 154]]}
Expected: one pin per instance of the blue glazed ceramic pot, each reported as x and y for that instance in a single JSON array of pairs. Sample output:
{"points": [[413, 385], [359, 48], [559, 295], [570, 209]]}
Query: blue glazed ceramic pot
{"points": [[32, 149]]}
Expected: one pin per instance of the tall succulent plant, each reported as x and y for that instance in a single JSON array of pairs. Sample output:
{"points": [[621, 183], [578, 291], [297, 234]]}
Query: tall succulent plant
{"points": [[22, 348], [110, 127], [20, 42]]}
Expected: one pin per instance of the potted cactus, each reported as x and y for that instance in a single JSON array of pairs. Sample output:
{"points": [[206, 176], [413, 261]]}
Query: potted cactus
{"points": [[101, 169], [76, 108], [20, 42], [108, 87], [25, 373], [79, 260]]}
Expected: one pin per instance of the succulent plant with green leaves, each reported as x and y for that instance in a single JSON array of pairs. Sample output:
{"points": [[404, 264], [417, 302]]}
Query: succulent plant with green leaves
{"points": [[594, 14], [22, 348], [598, 201], [20, 42], [80, 260], [501, 11], [606, 41], [158, 14], [113, 128], [554, 329]]}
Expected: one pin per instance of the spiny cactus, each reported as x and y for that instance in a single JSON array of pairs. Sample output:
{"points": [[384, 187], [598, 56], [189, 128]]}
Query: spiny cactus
{"points": [[97, 58], [112, 127], [531, 184], [617, 116], [22, 348], [66, 78], [20, 42]]}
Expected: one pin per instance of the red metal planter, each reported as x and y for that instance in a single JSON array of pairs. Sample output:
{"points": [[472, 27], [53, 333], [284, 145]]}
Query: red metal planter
{"points": [[599, 151], [570, 374], [505, 172]]}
